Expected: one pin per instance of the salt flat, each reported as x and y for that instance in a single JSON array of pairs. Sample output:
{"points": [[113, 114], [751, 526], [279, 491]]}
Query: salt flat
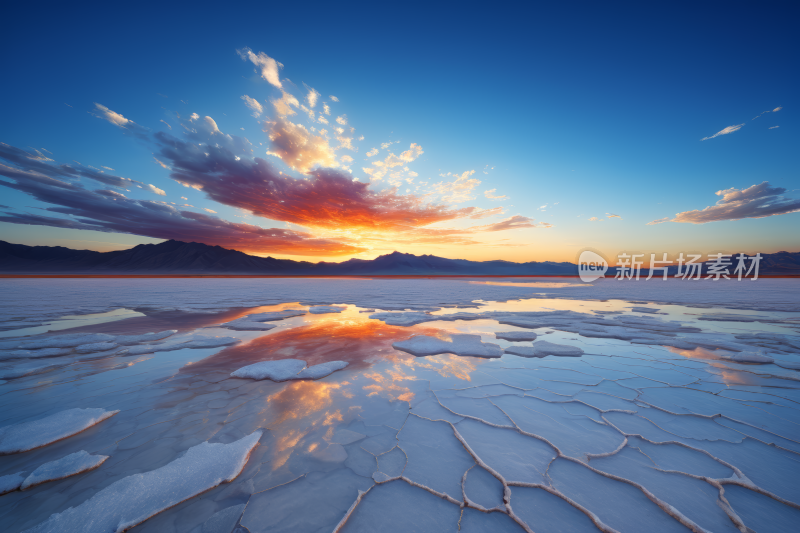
{"points": [[615, 406]]}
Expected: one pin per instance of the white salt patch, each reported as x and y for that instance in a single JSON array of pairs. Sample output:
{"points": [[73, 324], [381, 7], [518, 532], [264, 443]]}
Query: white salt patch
{"points": [[65, 341], [36, 433], [30, 369], [321, 370], [275, 370], [96, 347], [276, 315], [542, 348], [286, 369], [516, 335], [72, 464], [522, 351], [33, 354], [127, 340], [467, 345], [322, 309], [194, 341], [134, 499], [403, 319], [11, 482], [748, 357]]}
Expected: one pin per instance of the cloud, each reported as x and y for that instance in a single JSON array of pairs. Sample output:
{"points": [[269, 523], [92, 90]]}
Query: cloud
{"points": [[459, 190], [777, 109], [283, 105], [326, 109], [209, 210], [392, 161], [117, 119], [254, 105], [485, 213], [269, 67], [342, 120], [773, 127], [299, 148], [164, 165], [756, 201], [34, 166], [611, 215], [593, 219], [333, 98], [166, 123], [726, 131], [312, 96], [514, 222], [111, 211], [659, 221], [111, 116], [372, 152], [491, 196], [153, 188], [328, 198]]}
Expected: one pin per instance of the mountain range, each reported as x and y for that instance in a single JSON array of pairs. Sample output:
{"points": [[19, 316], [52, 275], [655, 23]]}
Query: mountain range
{"points": [[191, 258]]}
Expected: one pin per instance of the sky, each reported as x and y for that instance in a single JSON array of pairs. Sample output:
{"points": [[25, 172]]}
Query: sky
{"points": [[324, 132]]}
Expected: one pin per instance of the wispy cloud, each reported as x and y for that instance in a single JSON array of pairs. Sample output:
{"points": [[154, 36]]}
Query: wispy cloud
{"points": [[270, 69], [491, 196], [611, 215], [659, 221], [726, 131], [254, 105]]}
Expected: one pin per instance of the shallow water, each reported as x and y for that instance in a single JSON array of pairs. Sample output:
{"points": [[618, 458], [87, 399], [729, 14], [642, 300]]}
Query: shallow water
{"points": [[627, 437]]}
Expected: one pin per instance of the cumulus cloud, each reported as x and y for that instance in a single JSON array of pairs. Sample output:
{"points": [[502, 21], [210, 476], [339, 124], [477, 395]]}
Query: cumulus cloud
{"points": [[153, 188], [268, 66], [326, 109], [342, 120], [283, 105], [326, 199], [333, 98], [372, 152], [459, 190], [298, 147], [491, 196], [726, 131], [593, 219], [254, 105], [756, 201]]}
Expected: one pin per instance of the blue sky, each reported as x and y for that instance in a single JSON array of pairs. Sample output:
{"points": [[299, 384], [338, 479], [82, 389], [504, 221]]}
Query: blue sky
{"points": [[587, 109]]}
